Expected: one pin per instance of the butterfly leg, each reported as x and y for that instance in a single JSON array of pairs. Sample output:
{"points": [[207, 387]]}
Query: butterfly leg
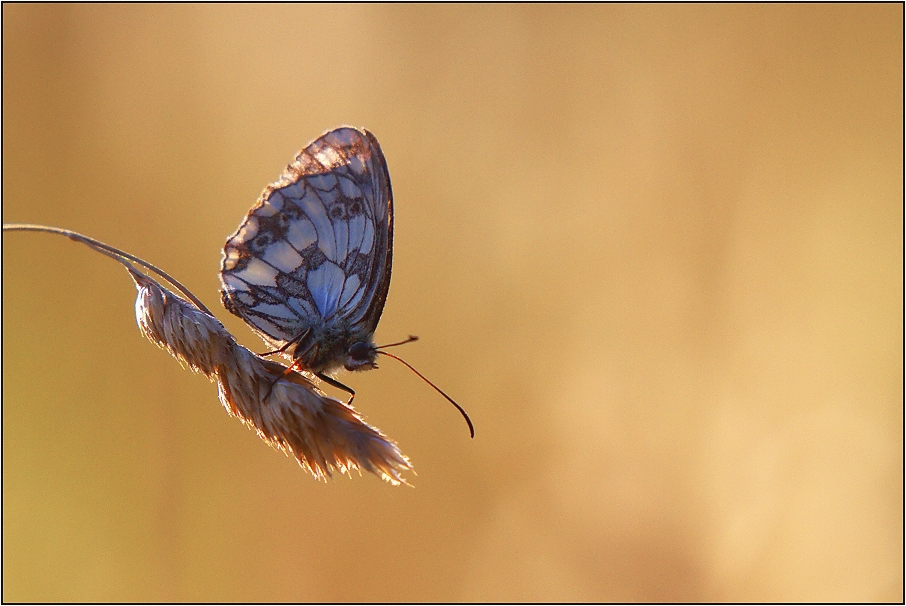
{"points": [[297, 363], [289, 369], [338, 385], [295, 341]]}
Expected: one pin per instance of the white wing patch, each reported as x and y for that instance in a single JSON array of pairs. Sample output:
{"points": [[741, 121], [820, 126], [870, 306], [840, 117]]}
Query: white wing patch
{"points": [[248, 230], [271, 207], [356, 233], [314, 207], [325, 285], [282, 257], [367, 238], [301, 233], [258, 273], [341, 238], [278, 311], [349, 188], [354, 301], [349, 289]]}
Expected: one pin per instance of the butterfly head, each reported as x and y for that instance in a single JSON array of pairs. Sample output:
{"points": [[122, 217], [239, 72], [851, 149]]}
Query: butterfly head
{"points": [[361, 356]]}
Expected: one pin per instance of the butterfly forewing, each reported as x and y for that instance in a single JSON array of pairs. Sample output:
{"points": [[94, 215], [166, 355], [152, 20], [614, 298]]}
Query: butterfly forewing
{"points": [[316, 249]]}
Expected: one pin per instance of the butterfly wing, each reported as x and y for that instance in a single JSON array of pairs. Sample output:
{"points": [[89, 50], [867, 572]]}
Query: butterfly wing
{"points": [[318, 244]]}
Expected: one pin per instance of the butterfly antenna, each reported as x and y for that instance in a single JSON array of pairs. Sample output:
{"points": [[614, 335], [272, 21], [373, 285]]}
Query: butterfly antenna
{"points": [[409, 339], [425, 379]]}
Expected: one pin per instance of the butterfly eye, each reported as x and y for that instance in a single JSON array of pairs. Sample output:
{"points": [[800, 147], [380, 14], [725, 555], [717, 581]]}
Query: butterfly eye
{"points": [[360, 351]]}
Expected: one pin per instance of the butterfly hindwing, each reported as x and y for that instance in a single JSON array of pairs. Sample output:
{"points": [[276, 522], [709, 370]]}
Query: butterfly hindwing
{"points": [[317, 245]]}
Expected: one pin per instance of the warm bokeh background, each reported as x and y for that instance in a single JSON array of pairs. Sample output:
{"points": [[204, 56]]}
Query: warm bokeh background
{"points": [[655, 251]]}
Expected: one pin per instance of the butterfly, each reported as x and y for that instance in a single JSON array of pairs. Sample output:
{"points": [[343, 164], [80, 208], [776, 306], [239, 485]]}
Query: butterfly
{"points": [[308, 269]]}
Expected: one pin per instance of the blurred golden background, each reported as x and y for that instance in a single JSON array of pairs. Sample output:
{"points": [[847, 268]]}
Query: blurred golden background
{"points": [[655, 251]]}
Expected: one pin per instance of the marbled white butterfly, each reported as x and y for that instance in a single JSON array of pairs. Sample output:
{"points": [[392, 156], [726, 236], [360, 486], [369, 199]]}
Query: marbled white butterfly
{"points": [[309, 267]]}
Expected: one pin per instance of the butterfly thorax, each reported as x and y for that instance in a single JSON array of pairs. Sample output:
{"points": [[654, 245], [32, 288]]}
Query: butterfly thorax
{"points": [[334, 345]]}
